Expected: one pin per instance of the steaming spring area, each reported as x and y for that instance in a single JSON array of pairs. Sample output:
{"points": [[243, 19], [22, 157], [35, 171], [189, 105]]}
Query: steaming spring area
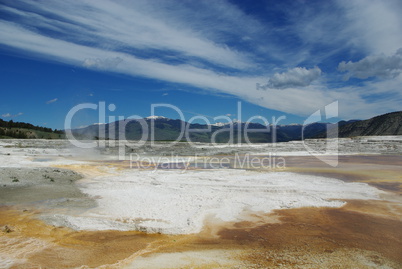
{"points": [[202, 206]]}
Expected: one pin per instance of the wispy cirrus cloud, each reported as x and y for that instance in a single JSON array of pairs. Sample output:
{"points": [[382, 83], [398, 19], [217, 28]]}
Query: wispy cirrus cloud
{"points": [[102, 64], [222, 48], [136, 31], [51, 101], [8, 115], [373, 26]]}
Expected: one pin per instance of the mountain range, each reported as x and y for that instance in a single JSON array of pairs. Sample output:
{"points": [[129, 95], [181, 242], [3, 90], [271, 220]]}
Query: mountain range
{"points": [[386, 124], [165, 129]]}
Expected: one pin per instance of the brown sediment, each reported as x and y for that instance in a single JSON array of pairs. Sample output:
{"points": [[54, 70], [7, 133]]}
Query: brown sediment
{"points": [[360, 225], [379, 208], [344, 160], [302, 238], [58, 247], [306, 235], [363, 233], [386, 180], [381, 171], [90, 169], [34, 244]]}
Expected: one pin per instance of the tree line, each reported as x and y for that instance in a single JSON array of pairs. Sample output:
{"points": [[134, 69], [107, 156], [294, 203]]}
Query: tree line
{"points": [[7, 125], [13, 133]]}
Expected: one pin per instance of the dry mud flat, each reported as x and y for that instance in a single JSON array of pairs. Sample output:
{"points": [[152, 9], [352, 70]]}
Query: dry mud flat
{"points": [[28, 185], [363, 233]]}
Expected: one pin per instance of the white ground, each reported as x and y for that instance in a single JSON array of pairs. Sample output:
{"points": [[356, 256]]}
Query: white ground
{"points": [[177, 203]]}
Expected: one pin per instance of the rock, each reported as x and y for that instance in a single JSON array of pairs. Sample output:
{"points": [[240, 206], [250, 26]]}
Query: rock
{"points": [[7, 229]]}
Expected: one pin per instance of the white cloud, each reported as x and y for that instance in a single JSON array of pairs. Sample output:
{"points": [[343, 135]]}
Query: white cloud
{"points": [[137, 29], [150, 39], [374, 66], [295, 77], [165, 94], [51, 101], [8, 115], [102, 64], [300, 101], [360, 26], [374, 26]]}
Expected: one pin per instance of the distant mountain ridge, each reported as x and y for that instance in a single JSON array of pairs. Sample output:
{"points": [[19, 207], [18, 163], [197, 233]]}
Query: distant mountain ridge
{"points": [[386, 124], [166, 129]]}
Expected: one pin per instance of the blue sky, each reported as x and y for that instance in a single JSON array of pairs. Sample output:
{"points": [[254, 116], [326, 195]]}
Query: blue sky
{"points": [[201, 56]]}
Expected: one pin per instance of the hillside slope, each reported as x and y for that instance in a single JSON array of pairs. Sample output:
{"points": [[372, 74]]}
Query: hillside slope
{"points": [[22, 130], [387, 124]]}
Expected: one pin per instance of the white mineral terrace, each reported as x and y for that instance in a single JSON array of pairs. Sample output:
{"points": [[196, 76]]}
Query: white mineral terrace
{"points": [[177, 201]]}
